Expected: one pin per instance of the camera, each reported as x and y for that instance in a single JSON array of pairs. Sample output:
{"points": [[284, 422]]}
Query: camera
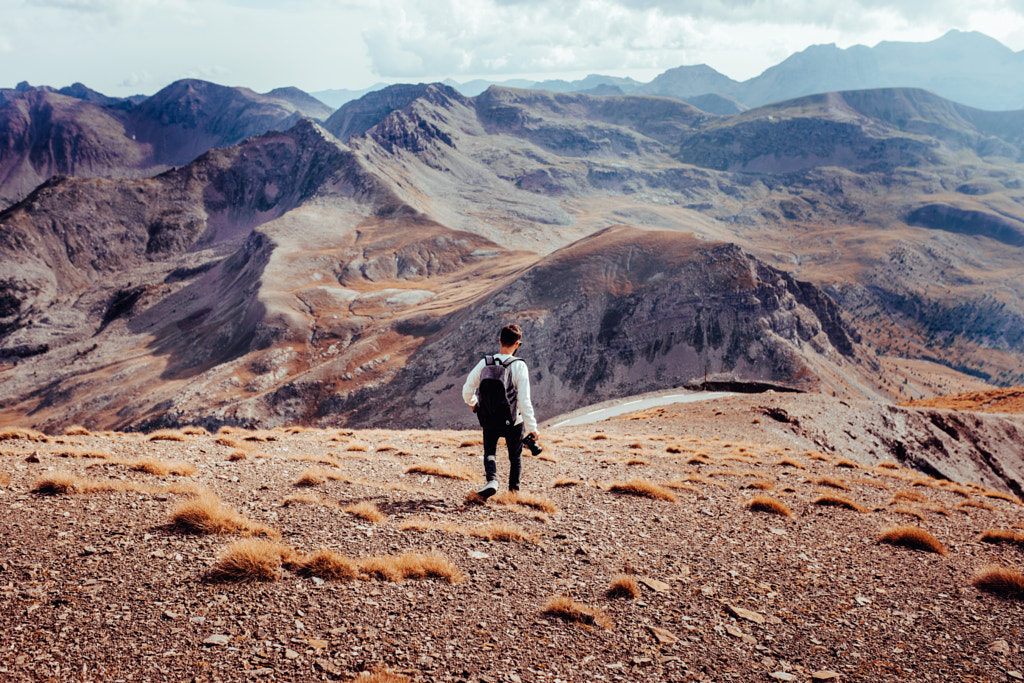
{"points": [[531, 442]]}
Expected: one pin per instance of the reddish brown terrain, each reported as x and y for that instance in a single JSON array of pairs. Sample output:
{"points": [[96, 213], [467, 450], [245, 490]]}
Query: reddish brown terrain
{"points": [[104, 575], [1008, 400]]}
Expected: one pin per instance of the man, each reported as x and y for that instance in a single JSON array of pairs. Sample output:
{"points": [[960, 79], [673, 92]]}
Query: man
{"points": [[498, 390]]}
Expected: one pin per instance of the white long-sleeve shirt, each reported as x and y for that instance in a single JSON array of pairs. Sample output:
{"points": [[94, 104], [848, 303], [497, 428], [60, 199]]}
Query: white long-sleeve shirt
{"points": [[521, 381]]}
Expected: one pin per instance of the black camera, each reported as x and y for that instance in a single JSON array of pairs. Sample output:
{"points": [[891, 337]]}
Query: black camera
{"points": [[530, 441]]}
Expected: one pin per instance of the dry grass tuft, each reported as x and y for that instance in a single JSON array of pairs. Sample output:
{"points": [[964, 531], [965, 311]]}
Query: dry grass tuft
{"points": [[77, 430], [530, 500], [770, 505], [228, 441], [999, 495], [976, 504], [302, 498], [380, 676], [623, 586], [830, 482], [470, 443], [366, 510], [674, 449], [838, 502], [870, 482], [817, 455], [60, 484], [682, 485], [167, 435], [1003, 536], [412, 565], [761, 484], [195, 430], [599, 437], [635, 462], [909, 511], [888, 465], [250, 560], [566, 481], [912, 537], [5, 479], [448, 470], [790, 462], [1006, 583], [312, 476], [503, 531], [567, 609], [19, 434], [911, 495], [642, 488], [161, 468], [848, 464], [235, 456], [325, 564], [207, 514]]}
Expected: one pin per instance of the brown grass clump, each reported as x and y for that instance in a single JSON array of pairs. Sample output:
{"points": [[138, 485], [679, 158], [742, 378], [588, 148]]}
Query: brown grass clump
{"points": [[366, 510], [161, 468], [643, 488], [380, 676], [77, 430], [357, 448], [530, 500], [909, 511], [870, 482], [761, 484], [818, 455], [848, 464], [830, 482], [838, 502], [976, 504], [5, 479], [228, 441], [599, 437], [167, 435], [567, 609], [912, 537], [325, 564], [1003, 536], [302, 498], [674, 449], [195, 430], [449, 470], [503, 531], [412, 565], [682, 485], [19, 434], [888, 465], [470, 443], [313, 476], [623, 586], [699, 459], [790, 462], [207, 514], [60, 484], [991, 493], [635, 462], [566, 481], [911, 495], [250, 560], [236, 455], [770, 505], [1006, 583]]}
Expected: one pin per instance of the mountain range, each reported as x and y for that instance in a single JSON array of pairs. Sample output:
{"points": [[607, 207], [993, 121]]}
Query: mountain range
{"points": [[351, 271]]}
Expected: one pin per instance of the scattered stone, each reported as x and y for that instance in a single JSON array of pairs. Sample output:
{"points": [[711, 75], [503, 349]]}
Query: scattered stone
{"points": [[654, 584], [317, 644], [290, 653], [1000, 647], [477, 555], [168, 614], [662, 636], [264, 671], [782, 676], [825, 675], [741, 613], [1015, 675], [733, 631], [217, 639], [328, 667]]}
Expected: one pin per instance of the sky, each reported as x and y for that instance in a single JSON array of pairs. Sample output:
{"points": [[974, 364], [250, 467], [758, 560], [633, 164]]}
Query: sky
{"points": [[125, 47]]}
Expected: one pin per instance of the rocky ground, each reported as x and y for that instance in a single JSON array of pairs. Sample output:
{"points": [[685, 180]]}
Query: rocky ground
{"points": [[100, 584]]}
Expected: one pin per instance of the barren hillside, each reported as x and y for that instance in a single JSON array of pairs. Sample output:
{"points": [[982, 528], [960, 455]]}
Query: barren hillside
{"points": [[700, 543]]}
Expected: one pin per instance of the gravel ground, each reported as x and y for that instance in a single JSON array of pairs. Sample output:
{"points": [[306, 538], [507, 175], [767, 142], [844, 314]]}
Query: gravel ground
{"points": [[100, 586]]}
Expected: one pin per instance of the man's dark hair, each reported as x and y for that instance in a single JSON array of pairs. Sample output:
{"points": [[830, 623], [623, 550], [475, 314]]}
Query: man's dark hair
{"points": [[510, 334]]}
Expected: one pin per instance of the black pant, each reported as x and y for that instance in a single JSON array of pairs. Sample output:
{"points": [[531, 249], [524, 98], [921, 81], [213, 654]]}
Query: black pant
{"points": [[514, 440]]}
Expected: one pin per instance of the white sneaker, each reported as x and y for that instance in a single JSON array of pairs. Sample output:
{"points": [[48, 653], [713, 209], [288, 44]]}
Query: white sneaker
{"points": [[489, 489]]}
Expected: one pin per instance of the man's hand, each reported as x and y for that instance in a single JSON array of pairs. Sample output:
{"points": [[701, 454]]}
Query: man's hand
{"points": [[533, 435]]}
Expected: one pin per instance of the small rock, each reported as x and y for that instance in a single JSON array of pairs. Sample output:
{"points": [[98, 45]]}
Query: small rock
{"points": [[654, 584], [217, 639], [168, 614], [662, 636], [733, 631], [515, 678], [782, 676], [861, 600], [477, 555], [825, 675], [1016, 675], [32, 458], [641, 661], [328, 667], [88, 550], [290, 653], [741, 613], [317, 644], [1000, 647], [263, 671]]}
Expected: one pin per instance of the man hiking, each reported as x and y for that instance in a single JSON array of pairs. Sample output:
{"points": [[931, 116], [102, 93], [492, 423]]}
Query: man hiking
{"points": [[498, 390]]}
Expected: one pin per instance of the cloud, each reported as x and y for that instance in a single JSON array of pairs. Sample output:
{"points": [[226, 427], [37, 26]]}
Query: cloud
{"points": [[5, 45]]}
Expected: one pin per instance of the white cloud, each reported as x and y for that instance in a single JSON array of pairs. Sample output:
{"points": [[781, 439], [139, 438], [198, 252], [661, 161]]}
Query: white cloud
{"points": [[5, 45]]}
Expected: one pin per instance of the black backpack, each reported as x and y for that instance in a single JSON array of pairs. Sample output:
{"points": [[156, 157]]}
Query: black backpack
{"points": [[497, 398]]}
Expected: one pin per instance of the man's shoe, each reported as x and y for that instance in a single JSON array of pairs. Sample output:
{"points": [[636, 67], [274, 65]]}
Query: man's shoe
{"points": [[489, 489]]}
